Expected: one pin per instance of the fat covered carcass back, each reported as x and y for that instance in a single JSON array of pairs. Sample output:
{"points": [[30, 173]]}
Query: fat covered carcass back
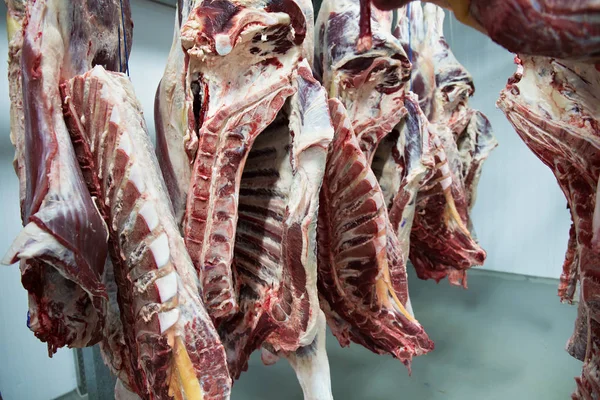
{"points": [[553, 105], [62, 248], [174, 348], [176, 136], [444, 87]]}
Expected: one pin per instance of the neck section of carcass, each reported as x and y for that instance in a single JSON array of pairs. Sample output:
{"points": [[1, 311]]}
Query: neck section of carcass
{"points": [[168, 332], [241, 60], [369, 83], [63, 245]]}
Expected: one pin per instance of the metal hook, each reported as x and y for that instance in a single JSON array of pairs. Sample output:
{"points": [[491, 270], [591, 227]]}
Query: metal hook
{"points": [[124, 40]]}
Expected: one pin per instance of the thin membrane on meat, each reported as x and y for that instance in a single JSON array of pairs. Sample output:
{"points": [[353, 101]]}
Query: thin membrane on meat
{"points": [[242, 57], [362, 274], [174, 348], [63, 245], [553, 105]]}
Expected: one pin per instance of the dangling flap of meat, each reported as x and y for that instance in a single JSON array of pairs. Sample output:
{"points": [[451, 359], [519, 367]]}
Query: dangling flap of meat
{"points": [[359, 255], [403, 164], [63, 245], [441, 245], [175, 350], [369, 83], [474, 144], [176, 138], [553, 105], [275, 248], [241, 62]]}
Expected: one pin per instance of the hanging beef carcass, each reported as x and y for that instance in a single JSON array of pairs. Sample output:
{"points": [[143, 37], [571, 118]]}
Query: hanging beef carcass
{"points": [[62, 248], [273, 264], [362, 272], [442, 243], [232, 103], [174, 349], [553, 105]]}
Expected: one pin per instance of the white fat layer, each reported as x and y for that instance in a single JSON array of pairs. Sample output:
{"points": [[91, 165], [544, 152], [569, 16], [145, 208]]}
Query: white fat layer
{"points": [[148, 212], [136, 176], [167, 286], [167, 319], [115, 116], [124, 141], [408, 307], [160, 250], [223, 44]]}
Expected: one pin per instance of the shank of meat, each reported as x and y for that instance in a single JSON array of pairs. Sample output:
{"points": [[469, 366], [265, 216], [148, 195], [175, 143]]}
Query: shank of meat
{"points": [[174, 348], [369, 83], [62, 248], [553, 105], [362, 274]]}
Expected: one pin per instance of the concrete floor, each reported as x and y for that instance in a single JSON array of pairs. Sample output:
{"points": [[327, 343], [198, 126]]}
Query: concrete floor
{"points": [[503, 338]]}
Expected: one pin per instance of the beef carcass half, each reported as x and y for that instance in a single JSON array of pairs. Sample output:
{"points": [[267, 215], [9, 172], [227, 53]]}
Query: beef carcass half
{"points": [[553, 105], [241, 62], [362, 273], [268, 155], [63, 245], [174, 348], [442, 244], [275, 247]]}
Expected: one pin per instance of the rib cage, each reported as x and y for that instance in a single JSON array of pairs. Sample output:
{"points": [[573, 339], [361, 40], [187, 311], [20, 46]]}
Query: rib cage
{"points": [[229, 121], [158, 290], [358, 252]]}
